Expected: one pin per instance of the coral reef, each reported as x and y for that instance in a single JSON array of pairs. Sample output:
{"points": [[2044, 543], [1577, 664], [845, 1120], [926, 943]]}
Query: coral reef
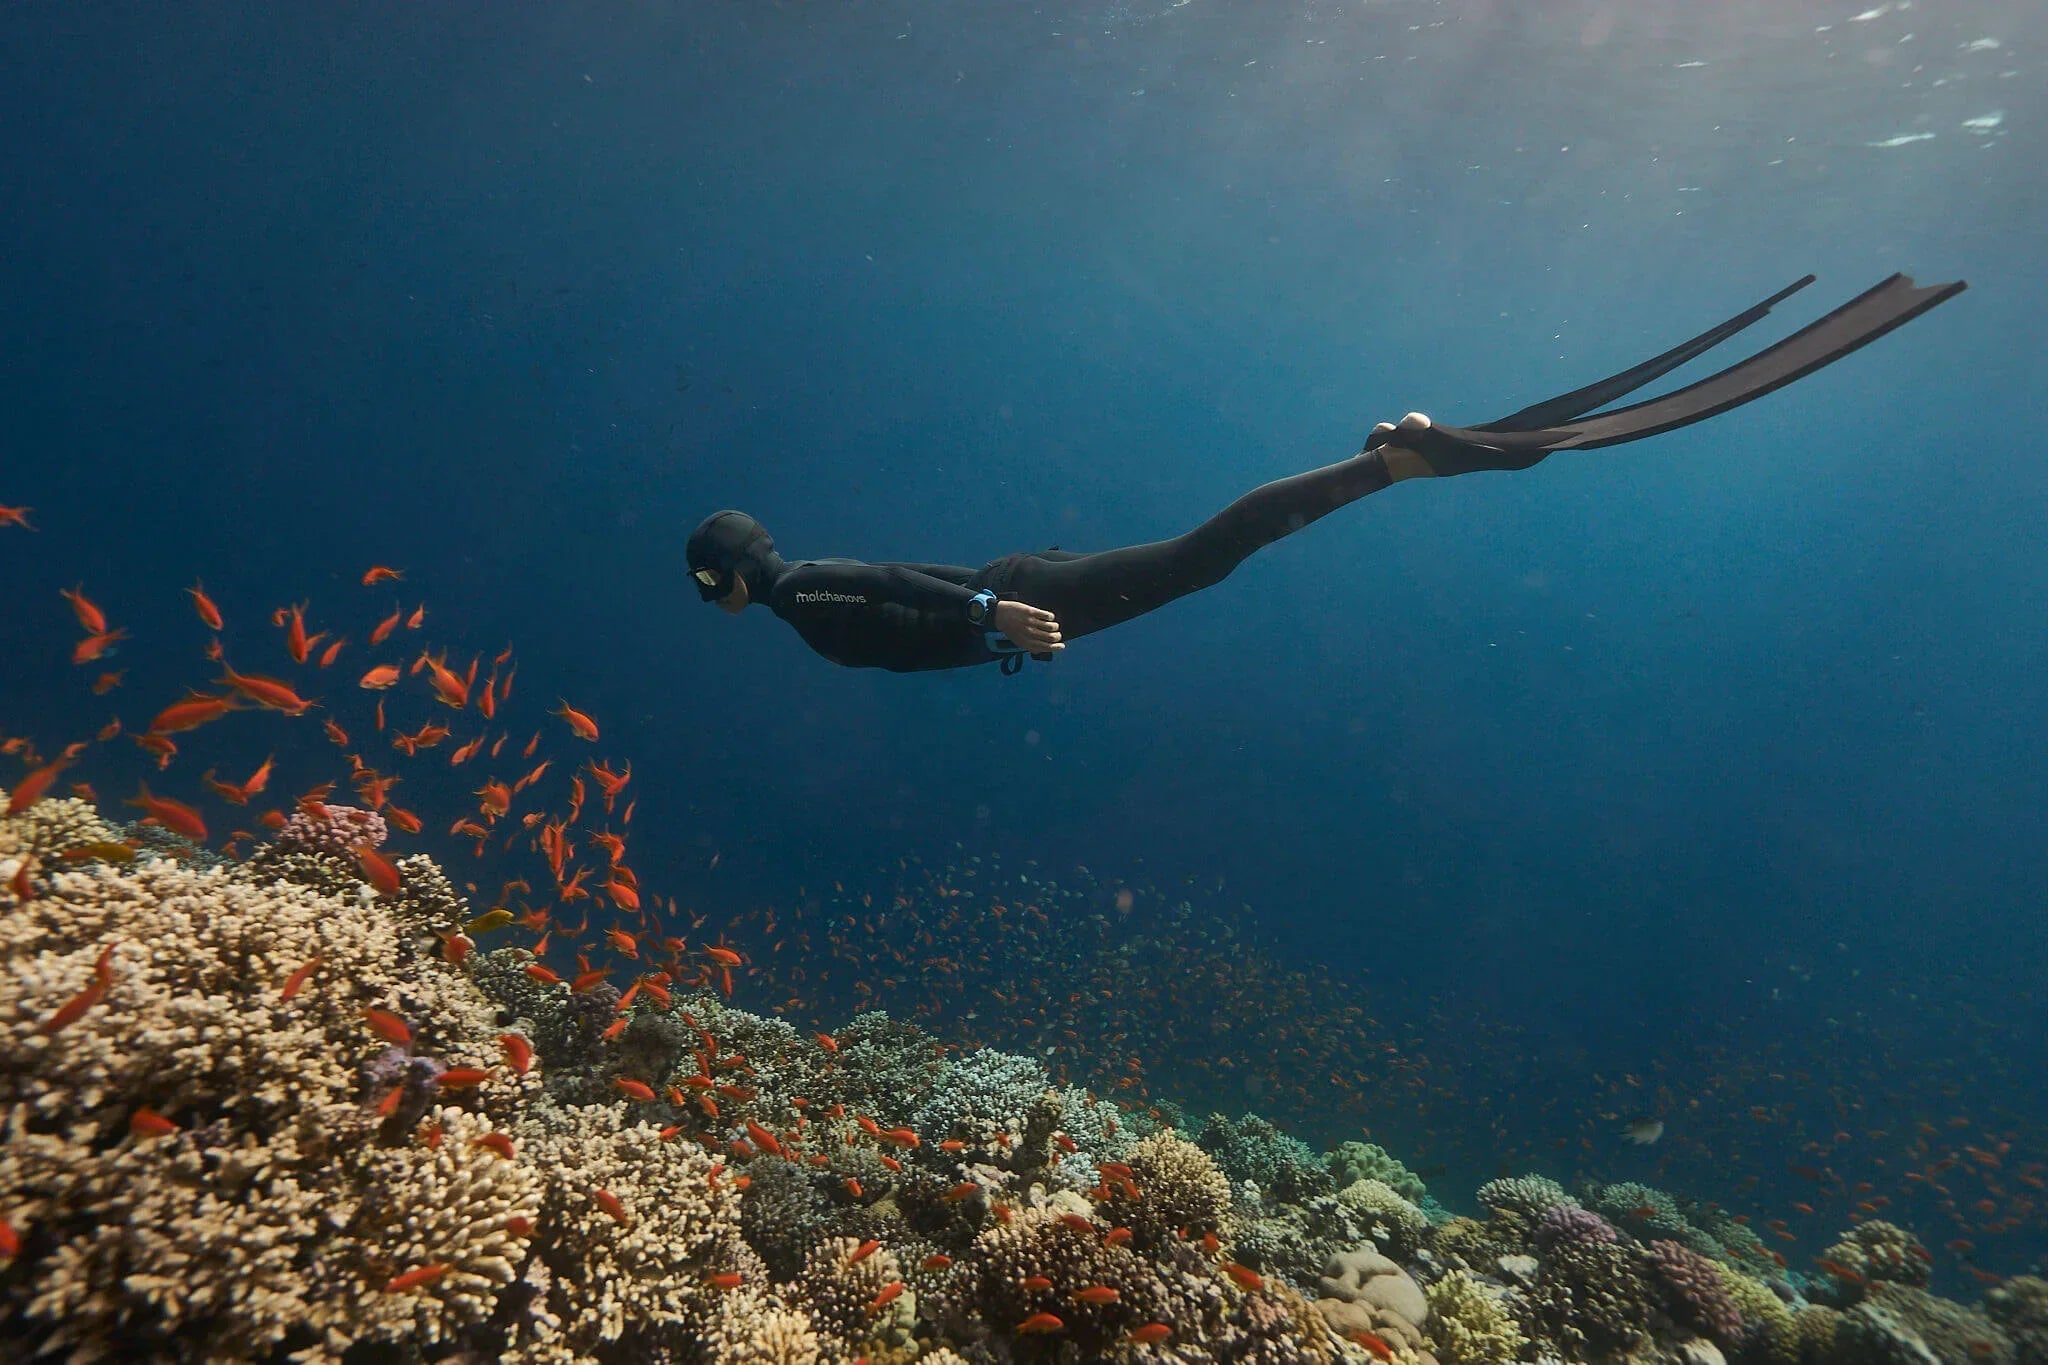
{"points": [[258, 1111], [193, 1153]]}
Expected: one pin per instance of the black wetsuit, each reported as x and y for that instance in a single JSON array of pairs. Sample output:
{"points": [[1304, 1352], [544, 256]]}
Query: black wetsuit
{"points": [[907, 617]]}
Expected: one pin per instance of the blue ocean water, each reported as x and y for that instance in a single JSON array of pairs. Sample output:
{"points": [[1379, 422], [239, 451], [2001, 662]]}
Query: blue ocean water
{"points": [[1701, 762]]}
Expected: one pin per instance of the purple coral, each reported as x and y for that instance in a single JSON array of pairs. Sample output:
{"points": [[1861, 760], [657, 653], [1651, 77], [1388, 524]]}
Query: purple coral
{"points": [[1570, 1223], [337, 831], [1696, 1291]]}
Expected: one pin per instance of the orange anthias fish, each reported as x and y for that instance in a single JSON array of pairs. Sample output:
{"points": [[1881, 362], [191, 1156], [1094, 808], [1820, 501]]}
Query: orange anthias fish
{"points": [[91, 619], [382, 676], [31, 788], [172, 815], [93, 646], [16, 516], [584, 727], [197, 709], [269, 693], [1040, 1322], [379, 574], [296, 641], [451, 688], [387, 1026], [201, 603], [382, 630]]}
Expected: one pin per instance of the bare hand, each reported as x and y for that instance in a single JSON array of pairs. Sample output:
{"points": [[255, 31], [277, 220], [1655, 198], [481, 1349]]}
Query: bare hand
{"points": [[1027, 627]]}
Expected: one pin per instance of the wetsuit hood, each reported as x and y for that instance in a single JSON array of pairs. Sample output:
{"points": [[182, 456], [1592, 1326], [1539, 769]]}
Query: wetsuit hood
{"points": [[728, 545]]}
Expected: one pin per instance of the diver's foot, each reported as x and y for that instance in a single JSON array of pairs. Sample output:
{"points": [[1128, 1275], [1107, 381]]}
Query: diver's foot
{"points": [[1401, 461], [1414, 448]]}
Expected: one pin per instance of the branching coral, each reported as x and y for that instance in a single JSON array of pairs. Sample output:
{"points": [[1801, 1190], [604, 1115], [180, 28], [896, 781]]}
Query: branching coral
{"points": [[1253, 1149], [1591, 1297], [46, 829], [1469, 1323], [636, 1226], [1693, 1291], [1528, 1197], [752, 1327], [278, 1199], [1354, 1161], [1179, 1190], [1878, 1250], [1393, 1223]]}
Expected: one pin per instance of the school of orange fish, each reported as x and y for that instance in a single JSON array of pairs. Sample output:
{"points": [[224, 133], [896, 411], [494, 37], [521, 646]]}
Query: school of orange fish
{"points": [[1139, 994]]}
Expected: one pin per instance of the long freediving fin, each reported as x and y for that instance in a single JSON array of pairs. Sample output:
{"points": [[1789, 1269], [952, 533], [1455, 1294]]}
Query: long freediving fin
{"points": [[1524, 437]]}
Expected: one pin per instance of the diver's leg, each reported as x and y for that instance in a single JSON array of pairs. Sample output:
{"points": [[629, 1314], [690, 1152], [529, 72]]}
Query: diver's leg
{"points": [[1090, 592]]}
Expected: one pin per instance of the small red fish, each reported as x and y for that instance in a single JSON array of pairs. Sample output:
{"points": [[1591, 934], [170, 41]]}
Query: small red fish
{"points": [[938, 1260], [107, 682], [16, 516], [764, 1139], [382, 630], [1097, 1294], [461, 1077], [379, 678], [518, 1052], [851, 1186], [1244, 1275], [724, 957], [1039, 1323], [95, 646], [197, 709], [542, 974], [636, 1090], [609, 1202], [172, 815], [377, 573], [1036, 1283], [497, 1142], [10, 1237], [378, 870], [388, 1026], [75, 1008], [890, 1292], [413, 1279], [966, 1189], [91, 619], [1373, 1344], [1151, 1334], [147, 1123], [201, 603], [296, 982], [581, 725], [864, 1250]]}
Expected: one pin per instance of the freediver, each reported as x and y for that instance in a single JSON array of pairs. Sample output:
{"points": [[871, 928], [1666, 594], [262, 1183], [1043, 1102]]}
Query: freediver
{"points": [[907, 617]]}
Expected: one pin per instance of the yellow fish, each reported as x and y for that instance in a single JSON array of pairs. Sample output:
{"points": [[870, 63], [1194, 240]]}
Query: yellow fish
{"points": [[489, 920], [102, 851]]}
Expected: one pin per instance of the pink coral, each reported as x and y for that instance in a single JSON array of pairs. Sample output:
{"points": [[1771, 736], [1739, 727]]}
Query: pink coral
{"points": [[338, 830], [1694, 1287]]}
